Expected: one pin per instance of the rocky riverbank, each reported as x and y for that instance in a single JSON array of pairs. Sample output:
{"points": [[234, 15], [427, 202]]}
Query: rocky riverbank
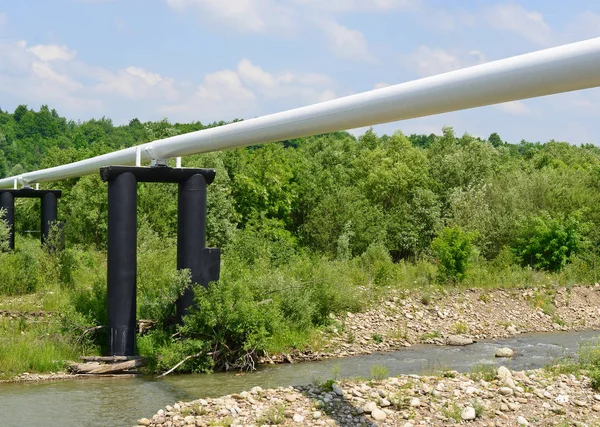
{"points": [[486, 398], [454, 317]]}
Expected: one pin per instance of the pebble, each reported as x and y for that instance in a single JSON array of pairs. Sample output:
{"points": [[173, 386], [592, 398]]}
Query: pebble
{"points": [[468, 413], [458, 340], [505, 352], [522, 421], [316, 415], [298, 418], [378, 414], [503, 373], [506, 391], [415, 402], [338, 390]]}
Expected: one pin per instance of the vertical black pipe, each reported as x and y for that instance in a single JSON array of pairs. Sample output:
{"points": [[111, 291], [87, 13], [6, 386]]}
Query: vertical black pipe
{"points": [[191, 235], [7, 203], [49, 214], [122, 235]]}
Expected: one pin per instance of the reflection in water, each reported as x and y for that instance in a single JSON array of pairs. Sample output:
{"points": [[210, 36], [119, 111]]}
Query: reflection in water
{"points": [[120, 402]]}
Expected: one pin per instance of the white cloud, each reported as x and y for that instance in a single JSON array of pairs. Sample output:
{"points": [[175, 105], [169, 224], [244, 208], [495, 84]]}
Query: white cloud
{"points": [[358, 5], [584, 26], [515, 18], [52, 52], [516, 108], [242, 15], [346, 43], [380, 85], [427, 61], [34, 76], [249, 90]]}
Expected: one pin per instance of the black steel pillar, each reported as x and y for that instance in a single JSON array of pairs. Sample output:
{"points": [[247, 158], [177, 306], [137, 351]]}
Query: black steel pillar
{"points": [[122, 236], [7, 203], [49, 214], [191, 235]]}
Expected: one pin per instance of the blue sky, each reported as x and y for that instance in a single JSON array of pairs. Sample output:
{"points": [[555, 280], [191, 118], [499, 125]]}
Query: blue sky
{"points": [[222, 59]]}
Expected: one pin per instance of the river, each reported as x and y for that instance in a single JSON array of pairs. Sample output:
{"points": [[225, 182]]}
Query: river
{"points": [[122, 401]]}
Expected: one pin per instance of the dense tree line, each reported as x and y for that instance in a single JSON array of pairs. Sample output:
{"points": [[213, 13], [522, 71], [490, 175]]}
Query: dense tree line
{"points": [[350, 210]]}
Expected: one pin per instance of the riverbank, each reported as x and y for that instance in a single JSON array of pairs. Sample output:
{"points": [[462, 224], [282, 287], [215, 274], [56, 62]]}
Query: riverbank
{"points": [[485, 398], [454, 316], [404, 318]]}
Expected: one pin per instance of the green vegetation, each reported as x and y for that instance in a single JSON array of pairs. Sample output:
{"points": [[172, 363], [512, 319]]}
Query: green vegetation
{"points": [[309, 227], [379, 372]]}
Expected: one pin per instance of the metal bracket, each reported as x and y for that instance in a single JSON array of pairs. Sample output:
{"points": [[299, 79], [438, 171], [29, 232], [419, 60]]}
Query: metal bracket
{"points": [[154, 161]]}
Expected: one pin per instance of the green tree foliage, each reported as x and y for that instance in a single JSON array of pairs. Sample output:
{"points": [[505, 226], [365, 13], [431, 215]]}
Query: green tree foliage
{"points": [[548, 243], [453, 248], [308, 226]]}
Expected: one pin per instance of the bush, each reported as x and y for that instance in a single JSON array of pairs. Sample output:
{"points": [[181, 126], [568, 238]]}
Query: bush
{"points": [[548, 243], [454, 249]]}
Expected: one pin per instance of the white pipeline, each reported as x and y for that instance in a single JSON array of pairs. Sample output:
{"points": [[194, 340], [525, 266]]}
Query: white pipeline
{"points": [[561, 69]]}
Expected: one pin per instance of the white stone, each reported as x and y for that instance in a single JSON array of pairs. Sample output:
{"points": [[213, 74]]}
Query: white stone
{"points": [[316, 415], [505, 391], [468, 413], [298, 418], [522, 421], [415, 402], [505, 352], [458, 340], [562, 399], [369, 407], [378, 414], [504, 373]]}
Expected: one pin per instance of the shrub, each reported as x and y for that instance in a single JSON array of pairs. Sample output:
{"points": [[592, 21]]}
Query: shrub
{"points": [[548, 243], [453, 248], [379, 372]]}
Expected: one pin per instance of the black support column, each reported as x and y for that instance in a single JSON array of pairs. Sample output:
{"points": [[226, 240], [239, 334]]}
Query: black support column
{"points": [[49, 214], [122, 263], [204, 263], [191, 235], [7, 203]]}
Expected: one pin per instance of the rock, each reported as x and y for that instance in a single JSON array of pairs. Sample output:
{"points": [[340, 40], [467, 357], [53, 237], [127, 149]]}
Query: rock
{"points": [[316, 415], [596, 407], [522, 421], [378, 414], [506, 391], [503, 373], [144, 422], [298, 418], [370, 407], [384, 403], [505, 352], [562, 399], [337, 390], [511, 330], [468, 413], [597, 397], [458, 340], [415, 402], [290, 397]]}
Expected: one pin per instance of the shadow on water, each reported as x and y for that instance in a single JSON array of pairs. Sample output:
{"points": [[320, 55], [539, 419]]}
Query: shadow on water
{"points": [[116, 402]]}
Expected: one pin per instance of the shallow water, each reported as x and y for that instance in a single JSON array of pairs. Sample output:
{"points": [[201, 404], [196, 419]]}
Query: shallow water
{"points": [[122, 401]]}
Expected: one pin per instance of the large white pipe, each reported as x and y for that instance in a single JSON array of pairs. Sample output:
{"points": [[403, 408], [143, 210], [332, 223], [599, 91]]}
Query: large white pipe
{"points": [[560, 69]]}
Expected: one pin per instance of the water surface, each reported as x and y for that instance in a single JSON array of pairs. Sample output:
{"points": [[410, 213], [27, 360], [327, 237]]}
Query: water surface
{"points": [[122, 401]]}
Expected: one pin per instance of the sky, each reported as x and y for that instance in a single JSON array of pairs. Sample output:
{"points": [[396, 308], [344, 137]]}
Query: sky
{"points": [[210, 60]]}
